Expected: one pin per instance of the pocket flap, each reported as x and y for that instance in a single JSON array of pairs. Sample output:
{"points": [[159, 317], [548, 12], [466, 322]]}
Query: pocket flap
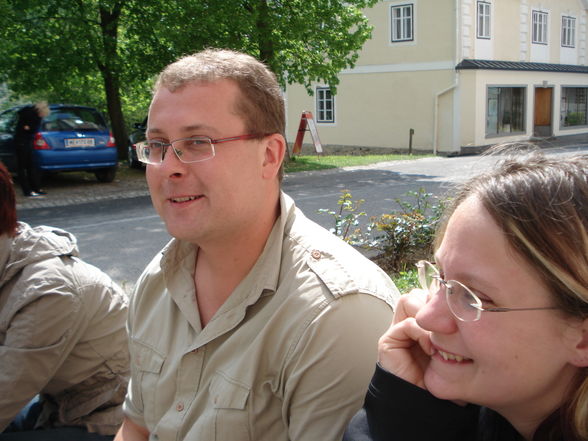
{"points": [[226, 393], [145, 357]]}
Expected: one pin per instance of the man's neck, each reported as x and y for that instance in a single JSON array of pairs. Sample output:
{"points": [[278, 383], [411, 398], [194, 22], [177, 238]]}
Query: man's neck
{"points": [[220, 267]]}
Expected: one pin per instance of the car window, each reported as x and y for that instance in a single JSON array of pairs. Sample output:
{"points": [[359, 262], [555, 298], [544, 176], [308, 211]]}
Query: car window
{"points": [[66, 119], [7, 121]]}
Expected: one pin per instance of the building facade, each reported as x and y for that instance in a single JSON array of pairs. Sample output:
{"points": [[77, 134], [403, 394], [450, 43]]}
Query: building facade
{"points": [[458, 74]]}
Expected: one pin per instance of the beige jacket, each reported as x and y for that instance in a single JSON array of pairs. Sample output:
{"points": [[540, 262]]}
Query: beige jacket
{"points": [[62, 333]]}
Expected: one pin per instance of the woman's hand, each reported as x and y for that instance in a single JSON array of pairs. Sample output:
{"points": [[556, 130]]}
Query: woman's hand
{"points": [[405, 348]]}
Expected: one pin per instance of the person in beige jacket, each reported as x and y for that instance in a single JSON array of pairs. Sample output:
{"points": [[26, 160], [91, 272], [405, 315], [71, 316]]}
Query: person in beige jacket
{"points": [[64, 361]]}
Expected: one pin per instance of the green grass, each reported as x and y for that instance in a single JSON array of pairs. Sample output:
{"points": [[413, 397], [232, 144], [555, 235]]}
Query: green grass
{"points": [[406, 280], [307, 163]]}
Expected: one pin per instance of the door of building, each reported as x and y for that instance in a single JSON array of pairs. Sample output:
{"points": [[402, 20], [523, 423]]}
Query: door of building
{"points": [[543, 112]]}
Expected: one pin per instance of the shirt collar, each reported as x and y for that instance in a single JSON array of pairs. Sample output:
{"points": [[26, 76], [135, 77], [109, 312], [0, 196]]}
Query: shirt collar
{"points": [[178, 263]]}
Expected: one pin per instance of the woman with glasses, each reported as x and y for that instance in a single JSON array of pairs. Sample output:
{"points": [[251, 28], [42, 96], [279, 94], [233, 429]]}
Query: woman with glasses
{"points": [[495, 346]]}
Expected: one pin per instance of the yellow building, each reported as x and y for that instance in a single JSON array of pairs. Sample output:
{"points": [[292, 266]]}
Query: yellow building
{"points": [[460, 74]]}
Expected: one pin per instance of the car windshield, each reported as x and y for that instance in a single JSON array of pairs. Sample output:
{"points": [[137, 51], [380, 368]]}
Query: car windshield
{"points": [[66, 119]]}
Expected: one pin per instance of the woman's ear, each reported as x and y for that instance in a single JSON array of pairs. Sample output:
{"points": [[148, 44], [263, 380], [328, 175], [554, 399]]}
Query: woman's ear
{"points": [[580, 357], [275, 149]]}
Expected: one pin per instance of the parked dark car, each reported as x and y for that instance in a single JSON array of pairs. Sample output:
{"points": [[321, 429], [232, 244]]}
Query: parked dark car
{"points": [[71, 138], [136, 136]]}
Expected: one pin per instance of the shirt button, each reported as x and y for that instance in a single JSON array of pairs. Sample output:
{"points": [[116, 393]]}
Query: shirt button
{"points": [[180, 406], [316, 254]]}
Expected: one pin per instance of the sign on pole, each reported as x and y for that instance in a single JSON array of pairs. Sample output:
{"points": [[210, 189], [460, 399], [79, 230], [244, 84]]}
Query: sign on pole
{"points": [[307, 123]]}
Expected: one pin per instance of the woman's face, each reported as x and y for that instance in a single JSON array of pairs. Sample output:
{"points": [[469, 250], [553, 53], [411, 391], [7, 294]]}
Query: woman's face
{"points": [[507, 361]]}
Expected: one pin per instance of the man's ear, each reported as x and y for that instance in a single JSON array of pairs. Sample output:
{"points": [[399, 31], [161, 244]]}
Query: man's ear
{"points": [[580, 358], [275, 149]]}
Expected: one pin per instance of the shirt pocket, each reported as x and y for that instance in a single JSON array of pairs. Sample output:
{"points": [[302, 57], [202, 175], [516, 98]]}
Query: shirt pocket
{"points": [[230, 400], [146, 369]]}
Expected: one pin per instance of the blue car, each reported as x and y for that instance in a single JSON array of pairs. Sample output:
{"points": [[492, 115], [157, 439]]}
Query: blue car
{"points": [[71, 138]]}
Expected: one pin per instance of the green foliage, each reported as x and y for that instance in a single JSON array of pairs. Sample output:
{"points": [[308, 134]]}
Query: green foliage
{"points": [[405, 281], [404, 237], [575, 119], [105, 53], [347, 219], [400, 238]]}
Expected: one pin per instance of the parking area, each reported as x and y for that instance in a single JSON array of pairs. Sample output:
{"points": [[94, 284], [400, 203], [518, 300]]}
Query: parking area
{"points": [[78, 187]]}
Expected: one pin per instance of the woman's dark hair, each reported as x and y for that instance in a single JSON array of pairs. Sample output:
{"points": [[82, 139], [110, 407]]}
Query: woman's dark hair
{"points": [[8, 223]]}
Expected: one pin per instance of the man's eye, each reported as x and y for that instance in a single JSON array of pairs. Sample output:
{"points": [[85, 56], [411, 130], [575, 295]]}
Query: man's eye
{"points": [[197, 142]]}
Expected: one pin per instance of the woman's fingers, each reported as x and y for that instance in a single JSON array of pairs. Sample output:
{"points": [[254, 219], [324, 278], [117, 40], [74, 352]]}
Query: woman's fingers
{"points": [[409, 304], [405, 350]]}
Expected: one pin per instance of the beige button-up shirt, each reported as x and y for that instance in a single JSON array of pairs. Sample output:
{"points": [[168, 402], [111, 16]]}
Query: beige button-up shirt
{"points": [[288, 356]]}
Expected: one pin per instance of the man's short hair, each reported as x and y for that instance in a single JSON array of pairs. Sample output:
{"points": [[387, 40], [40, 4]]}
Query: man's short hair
{"points": [[261, 104]]}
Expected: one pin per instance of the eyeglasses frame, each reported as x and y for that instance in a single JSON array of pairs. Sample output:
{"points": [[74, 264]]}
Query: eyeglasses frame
{"points": [[421, 265], [212, 142]]}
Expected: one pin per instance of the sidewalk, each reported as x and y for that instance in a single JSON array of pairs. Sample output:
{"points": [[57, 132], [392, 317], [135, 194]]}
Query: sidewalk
{"points": [[79, 187]]}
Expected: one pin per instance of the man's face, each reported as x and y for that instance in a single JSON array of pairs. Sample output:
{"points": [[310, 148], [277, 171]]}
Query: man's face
{"points": [[214, 200]]}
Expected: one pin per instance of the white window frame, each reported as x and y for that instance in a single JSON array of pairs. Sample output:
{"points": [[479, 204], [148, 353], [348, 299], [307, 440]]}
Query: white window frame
{"points": [[568, 31], [579, 104], [483, 16], [322, 113], [403, 24], [500, 107], [539, 27]]}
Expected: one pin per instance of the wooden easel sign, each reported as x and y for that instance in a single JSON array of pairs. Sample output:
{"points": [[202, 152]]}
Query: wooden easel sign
{"points": [[307, 123]]}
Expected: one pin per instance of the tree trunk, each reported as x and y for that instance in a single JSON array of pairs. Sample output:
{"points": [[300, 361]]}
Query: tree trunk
{"points": [[109, 67], [266, 46]]}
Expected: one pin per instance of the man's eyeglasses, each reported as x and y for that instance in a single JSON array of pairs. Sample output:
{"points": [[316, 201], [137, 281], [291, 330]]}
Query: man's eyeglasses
{"points": [[463, 303], [188, 150]]}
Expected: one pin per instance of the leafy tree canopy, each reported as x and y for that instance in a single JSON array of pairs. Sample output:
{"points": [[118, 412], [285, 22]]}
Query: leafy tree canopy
{"points": [[106, 52]]}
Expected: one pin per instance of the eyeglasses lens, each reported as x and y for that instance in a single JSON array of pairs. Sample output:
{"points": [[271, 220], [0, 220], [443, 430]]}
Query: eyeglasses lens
{"points": [[193, 149], [150, 151], [462, 302], [188, 150]]}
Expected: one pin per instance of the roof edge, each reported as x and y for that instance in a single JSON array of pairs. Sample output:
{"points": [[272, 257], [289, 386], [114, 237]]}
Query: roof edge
{"points": [[473, 64]]}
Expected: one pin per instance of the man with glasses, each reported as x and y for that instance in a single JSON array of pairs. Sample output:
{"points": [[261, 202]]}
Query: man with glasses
{"points": [[254, 322]]}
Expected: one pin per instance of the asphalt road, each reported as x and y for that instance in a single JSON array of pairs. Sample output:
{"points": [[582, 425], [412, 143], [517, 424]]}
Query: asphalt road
{"points": [[122, 235]]}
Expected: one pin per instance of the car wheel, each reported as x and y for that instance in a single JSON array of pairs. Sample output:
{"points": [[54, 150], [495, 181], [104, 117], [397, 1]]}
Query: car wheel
{"points": [[105, 174]]}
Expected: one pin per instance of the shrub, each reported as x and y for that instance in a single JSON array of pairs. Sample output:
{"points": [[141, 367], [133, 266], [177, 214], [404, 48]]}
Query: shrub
{"points": [[402, 238], [347, 219], [399, 238], [575, 119]]}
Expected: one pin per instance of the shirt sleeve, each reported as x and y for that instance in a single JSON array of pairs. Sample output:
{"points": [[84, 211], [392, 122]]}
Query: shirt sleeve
{"points": [[37, 338], [397, 409], [133, 406], [330, 368]]}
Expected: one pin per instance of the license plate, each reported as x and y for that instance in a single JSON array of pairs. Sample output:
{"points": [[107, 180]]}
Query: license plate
{"points": [[80, 142]]}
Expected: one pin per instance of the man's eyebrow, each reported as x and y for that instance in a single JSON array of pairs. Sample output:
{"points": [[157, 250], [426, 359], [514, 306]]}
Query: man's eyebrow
{"points": [[191, 128]]}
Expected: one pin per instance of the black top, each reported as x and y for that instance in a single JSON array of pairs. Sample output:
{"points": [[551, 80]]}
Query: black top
{"points": [[395, 409], [27, 116]]}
